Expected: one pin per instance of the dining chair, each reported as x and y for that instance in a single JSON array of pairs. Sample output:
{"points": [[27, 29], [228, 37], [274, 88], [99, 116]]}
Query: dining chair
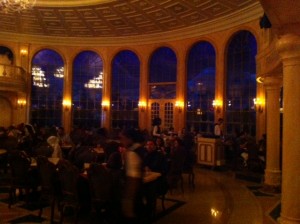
{"points": [[68, 177], [49, 184], [21, 178]]}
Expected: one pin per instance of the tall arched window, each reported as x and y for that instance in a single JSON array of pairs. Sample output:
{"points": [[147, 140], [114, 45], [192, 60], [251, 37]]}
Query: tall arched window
{"points": [[47, 88], [241, 83], [125, 90], [162, 85], [87, 90], [201, 71]]}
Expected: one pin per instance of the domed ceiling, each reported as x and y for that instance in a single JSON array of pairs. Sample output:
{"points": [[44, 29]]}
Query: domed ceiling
{"points": [[119, 18]]}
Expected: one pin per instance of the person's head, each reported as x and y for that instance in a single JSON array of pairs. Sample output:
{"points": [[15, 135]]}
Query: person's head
{"points": [[130, 136], [150, 146], [60, 131], [220, 120], [159, 141], [156, 121]]}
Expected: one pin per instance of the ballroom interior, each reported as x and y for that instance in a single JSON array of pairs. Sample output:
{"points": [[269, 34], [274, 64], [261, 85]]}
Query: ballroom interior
{"points": [[121, 63]]}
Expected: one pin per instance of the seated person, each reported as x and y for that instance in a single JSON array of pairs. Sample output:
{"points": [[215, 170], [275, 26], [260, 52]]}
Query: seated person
{"points": [[114, 157], [154, 159], [53, 141]]}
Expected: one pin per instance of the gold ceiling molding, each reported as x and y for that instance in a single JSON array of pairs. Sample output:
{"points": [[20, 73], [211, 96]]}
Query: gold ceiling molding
{"points": [[166, 28], [70, 3]]}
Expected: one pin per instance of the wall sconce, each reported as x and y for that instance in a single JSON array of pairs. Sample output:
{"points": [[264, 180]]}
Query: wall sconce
{"points": [[67, 105], [179, 105], [23, 52], [21, 103], [258, 105], [105, 105], [217, 105], [142, 105]]}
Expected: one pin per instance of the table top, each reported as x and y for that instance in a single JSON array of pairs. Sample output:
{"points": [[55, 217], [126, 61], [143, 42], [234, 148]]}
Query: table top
{"points": [[150, 176], [3, 151]]}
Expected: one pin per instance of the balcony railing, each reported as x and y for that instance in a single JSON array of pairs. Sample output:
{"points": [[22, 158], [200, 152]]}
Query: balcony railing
{"points": [[12, 78]]}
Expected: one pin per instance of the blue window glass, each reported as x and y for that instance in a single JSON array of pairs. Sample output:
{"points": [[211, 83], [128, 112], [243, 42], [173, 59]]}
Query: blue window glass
{"points": [[46, 89], [125, 90], [201, 88], [87, 90], [241, 83]]}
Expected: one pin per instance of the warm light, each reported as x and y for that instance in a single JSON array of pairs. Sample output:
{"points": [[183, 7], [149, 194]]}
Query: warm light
{"points": [[21, 103], [16, 5], [59, 73], [95, 83], [142, 105], [217, 104], [38, 77], [260, 79], [23, 52], [105, 105], [214, 212], [258, 104], [179, 105], [67, 105]]}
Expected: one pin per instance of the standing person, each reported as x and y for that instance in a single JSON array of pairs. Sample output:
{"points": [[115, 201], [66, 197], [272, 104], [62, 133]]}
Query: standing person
{"points": [[132, 200], [218, 132], [156, 132]]}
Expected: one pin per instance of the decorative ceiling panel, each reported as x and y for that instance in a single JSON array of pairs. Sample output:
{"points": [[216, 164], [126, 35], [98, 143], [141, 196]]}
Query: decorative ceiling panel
{"points": [[114, 18]]}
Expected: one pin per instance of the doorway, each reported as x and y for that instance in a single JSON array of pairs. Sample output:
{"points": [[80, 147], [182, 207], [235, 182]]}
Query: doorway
{"points": [[164, 109]]}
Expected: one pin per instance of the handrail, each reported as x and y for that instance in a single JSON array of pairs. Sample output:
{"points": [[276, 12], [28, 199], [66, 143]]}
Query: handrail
{"points": [[12, 72]]}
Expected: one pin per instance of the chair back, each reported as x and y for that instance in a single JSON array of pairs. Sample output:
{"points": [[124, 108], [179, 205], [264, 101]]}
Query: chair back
{"points": [[48, 174], [101, 183], [19, 165], [68, 176]]}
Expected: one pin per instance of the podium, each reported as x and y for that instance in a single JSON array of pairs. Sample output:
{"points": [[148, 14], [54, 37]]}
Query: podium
{"points": [[210, 151]]}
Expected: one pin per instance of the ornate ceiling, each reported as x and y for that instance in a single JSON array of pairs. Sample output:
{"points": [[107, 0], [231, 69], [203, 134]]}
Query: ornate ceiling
{"points": [[118, 18]]}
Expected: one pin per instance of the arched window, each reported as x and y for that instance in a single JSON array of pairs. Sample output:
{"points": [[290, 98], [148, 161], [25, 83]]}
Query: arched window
{"points": [[87, 90], [47, 88], [125, 90], [162, 85], [201, 72], [241, 83]]}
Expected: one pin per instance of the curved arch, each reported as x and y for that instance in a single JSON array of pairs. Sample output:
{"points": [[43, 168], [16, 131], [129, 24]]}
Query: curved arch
{"points": [[241, 78], [201, 73], [46, 88], [87, 89], [125, 90]]}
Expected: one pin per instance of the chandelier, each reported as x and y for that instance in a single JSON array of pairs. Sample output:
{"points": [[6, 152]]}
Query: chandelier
{"points": [[95, 83], [16, 5], [38, 77], [59, 73]]}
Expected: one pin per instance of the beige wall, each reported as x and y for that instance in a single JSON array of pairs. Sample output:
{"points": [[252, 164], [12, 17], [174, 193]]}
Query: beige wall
{"points": [[181, 48]]}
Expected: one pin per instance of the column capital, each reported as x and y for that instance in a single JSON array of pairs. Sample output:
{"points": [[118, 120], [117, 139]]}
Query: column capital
{"points": [[288, 46], [273, 81]]}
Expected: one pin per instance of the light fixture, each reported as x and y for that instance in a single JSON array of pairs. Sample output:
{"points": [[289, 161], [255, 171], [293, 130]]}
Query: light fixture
{"points": [[16, 5], [67, 105], [217, 105], [142, 105], [95, 83], [38, 77], [179, 105], [59, 73], [23, 52], [105, 105], [21, 103], [258, 104], [260, 79]]}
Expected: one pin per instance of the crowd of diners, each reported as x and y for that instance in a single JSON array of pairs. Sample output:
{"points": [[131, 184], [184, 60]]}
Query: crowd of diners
{"points": [[131, 152]]}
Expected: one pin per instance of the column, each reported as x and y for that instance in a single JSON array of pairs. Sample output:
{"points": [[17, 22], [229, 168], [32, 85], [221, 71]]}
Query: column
{"points": [[289, 49], [143, 112], [106, 91], [67, 96], [273, 172], [180, 112]]}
